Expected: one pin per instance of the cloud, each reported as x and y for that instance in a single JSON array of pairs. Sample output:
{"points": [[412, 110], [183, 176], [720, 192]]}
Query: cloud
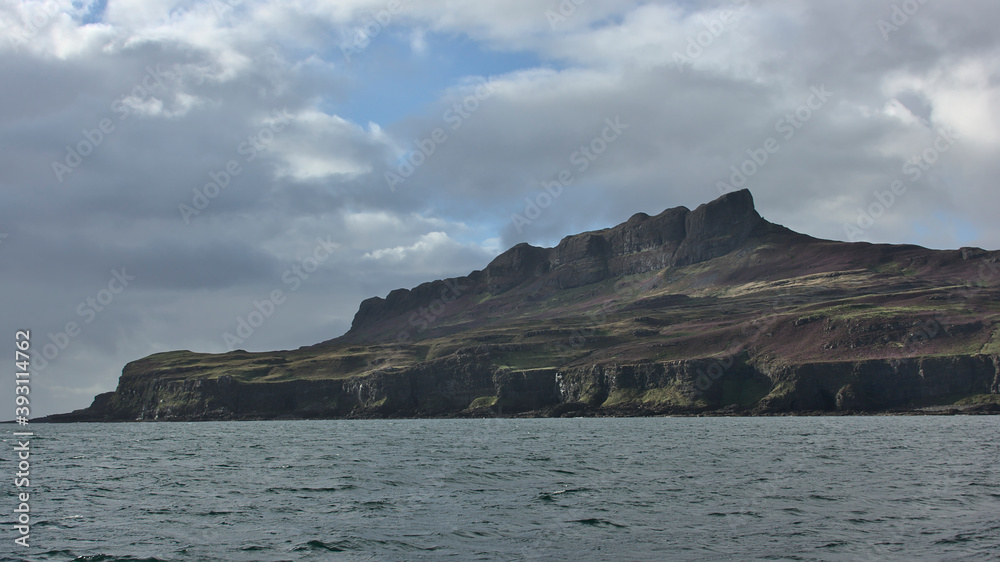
{"points": [[426, 254], [322, 145], [185, 90]]}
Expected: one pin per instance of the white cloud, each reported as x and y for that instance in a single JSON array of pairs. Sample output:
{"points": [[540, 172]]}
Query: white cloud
{"points": [[427, 244], [321, 174], [431, 252], [317, 145]]}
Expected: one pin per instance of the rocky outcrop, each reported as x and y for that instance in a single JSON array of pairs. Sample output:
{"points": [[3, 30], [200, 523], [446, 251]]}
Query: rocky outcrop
{"points": [[717, 228], [515, 266], [878, 385], [402, 302]]}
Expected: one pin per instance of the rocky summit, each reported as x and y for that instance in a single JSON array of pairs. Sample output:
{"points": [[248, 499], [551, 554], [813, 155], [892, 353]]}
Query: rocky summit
{"points": [[710, 311]]}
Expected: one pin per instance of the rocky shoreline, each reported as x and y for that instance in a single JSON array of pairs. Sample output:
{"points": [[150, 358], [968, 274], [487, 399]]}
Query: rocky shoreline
{"points": [[573, 412], [468, 386]]}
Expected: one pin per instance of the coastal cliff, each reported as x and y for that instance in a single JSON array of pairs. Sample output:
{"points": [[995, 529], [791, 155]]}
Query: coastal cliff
{"points": [[714, 310]]}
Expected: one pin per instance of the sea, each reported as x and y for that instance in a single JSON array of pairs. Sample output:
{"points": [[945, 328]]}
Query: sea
{"points": [[670, 488]]}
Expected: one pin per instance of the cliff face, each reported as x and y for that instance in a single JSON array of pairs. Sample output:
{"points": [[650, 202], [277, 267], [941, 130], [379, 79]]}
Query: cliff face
{"points": [[448, 385], [686, 312], [469, 385], [876, 385]]}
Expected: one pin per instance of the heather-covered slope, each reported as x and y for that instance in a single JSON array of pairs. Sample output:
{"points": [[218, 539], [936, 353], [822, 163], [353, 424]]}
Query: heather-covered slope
{"points": [[710, 310]]}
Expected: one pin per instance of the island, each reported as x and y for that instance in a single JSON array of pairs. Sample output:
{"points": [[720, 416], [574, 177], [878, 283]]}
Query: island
{"points": [[711, 311]]}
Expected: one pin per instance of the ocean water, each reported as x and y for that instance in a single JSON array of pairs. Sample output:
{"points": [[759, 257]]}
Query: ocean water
{"points": [[786, 488]]}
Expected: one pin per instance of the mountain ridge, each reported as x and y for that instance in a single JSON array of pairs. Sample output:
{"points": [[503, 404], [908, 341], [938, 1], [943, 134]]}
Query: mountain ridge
{"points": [[677, 236]]}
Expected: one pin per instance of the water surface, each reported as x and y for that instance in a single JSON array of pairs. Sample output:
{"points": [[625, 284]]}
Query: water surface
{"points": [[808, 488]]}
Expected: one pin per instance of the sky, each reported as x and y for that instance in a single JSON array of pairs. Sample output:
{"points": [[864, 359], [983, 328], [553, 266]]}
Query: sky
{"points": [[172, 171]]}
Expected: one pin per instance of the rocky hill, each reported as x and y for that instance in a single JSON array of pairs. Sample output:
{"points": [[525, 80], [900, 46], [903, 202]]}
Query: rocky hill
{"points": [[714, 310]]}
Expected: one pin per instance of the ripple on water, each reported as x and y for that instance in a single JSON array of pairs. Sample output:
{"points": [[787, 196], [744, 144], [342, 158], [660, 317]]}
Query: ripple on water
{"points": [[655, 488]]}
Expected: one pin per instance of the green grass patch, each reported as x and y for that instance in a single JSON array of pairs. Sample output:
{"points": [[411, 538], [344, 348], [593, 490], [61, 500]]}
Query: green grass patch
{"points": [[483, 402], [622, 396], [864, 311], [992, 346], [667, 395], [525, 360], [653, 396], [781, 389], [976, 399]]}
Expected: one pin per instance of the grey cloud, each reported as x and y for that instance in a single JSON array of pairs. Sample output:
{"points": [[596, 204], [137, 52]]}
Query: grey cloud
{"points": [[685, 129]]}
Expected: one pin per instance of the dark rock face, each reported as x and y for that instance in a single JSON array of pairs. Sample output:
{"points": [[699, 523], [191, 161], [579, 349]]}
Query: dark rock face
{"points": [[877, 385], [581, 260], [515, 266], [646, 243], [675, 237], [717, 228], [404, 301]]}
